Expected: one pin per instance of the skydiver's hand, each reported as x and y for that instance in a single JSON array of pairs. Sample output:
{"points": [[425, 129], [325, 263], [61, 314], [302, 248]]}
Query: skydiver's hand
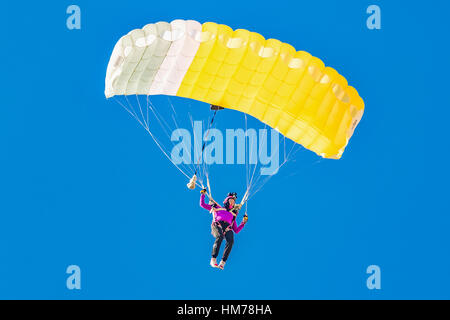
{"points": [[203, 191], [245, 219]]}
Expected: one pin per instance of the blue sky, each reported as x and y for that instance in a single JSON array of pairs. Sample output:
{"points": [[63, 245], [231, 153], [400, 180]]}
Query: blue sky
{"points": [[83, 184]]}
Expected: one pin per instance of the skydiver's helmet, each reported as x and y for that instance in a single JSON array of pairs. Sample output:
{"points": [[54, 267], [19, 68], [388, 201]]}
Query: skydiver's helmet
{"points": [[226, 202]]}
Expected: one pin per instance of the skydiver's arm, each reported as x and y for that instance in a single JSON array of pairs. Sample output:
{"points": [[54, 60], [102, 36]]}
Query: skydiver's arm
{"points": [[236, 229], [203, 204]]}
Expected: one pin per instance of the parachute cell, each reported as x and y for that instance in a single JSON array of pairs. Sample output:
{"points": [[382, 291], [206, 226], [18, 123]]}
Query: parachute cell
{"points": [[288, 90]]}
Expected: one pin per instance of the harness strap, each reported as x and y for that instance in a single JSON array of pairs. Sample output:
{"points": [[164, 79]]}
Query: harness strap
{"points": [[219, 226]]}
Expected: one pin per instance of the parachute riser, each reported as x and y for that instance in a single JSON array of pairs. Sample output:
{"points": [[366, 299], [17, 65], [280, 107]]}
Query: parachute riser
{"points": [[206, 136]]}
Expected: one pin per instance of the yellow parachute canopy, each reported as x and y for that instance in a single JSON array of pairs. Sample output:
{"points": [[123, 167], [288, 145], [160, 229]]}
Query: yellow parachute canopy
{"points": [[291, 91]]}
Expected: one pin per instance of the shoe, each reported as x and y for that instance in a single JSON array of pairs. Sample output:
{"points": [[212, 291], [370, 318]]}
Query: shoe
{"points": [[213, 263]]}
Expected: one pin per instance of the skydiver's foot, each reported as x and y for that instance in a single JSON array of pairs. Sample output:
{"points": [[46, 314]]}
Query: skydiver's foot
{"points": [[213, 263], [221, 265]]}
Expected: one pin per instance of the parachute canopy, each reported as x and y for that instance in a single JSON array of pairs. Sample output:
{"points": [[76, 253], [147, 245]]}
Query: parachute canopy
{"points": [[290, 91]]}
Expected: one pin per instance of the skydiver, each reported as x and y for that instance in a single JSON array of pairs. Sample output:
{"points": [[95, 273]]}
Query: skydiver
{"points": [[223, 225]]}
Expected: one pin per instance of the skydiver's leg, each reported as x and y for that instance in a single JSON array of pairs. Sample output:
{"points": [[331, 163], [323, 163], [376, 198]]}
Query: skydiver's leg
{"points": [[219, 237], [229, 237]]}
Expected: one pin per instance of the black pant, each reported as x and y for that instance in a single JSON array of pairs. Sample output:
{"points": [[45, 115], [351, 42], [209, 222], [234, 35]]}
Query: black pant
{"points": [[218, 229]]}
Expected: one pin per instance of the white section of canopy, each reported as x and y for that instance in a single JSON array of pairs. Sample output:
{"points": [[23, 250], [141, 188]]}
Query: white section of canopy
{"points": [[152, 60], [179, 57]]}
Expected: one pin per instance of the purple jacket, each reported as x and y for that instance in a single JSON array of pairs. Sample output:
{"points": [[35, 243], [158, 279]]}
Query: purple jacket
{"points": [[221, 214]]}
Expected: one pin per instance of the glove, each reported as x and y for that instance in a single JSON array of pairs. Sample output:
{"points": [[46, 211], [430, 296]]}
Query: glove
{"points": [[203, 191], [245, 219]]}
